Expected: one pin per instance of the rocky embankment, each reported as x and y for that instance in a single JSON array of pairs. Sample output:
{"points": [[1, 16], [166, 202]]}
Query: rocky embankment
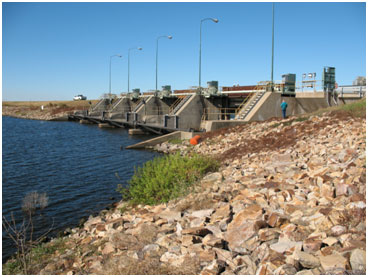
{"points": [[289, 199], [31, 112]]}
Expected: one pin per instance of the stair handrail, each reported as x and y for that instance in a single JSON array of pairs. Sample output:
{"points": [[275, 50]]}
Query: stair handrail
{"points": [[260, 88], [138, 104], [260, 94], [177, 101], [97, 104], [118, 102], [181, 104], [243, 103]]}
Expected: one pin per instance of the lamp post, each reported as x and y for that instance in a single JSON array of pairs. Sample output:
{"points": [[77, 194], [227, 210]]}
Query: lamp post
{"points": [[169, 37], [200, 45], [273, 21], [133, 48], [120, 56]]}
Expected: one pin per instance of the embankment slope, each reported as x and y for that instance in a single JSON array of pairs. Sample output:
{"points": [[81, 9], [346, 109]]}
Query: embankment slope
{"points": [[289, 199]]}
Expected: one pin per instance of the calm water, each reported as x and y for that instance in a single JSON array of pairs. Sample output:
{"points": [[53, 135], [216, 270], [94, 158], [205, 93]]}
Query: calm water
{"points": [[76, 165]]}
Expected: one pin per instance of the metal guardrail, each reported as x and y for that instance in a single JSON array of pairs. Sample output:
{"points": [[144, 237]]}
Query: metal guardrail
{"points": [[179, 103], [309, 85], [245, 101], [218, 114], [173, 106], [350, 90]]}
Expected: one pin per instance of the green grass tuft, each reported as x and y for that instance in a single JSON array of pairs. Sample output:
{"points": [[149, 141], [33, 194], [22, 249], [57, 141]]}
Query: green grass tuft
{"points": [[300, 119], [175, 141], [12, 267], [166, 178], [357, 109]]}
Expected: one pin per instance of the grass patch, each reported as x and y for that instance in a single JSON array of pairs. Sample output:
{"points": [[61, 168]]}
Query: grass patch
{"points": [[300, 119], [287, 123], [356, 109], [275, 125], [166, 178], [42, 251], [175, 141], [38, 256], [12, 267]]}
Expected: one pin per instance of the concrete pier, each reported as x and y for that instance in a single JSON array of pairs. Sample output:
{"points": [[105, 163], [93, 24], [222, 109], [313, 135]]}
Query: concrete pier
{"points": [[105, 125], [85, 121], [136, 132]]}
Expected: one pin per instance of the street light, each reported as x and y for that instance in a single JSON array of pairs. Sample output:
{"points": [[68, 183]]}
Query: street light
{"points": [[169, 37], [133, 48], [120, 56], [200, 45], [273, 23]]}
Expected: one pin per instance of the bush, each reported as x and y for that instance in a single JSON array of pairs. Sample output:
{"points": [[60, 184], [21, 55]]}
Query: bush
{"points": [[166, 178], [22, 234]]}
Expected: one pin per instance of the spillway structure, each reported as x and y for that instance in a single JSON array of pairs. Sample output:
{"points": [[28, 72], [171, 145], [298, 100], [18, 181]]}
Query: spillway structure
{"points": [[211, 108]]}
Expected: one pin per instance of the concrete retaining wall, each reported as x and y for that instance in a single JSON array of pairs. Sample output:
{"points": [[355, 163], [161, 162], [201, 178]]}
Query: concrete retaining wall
{"points": [[218, 124], [154, 111], [120, 110], [213, 108], [269, 105], [190, 114], [164, 138], [155, 141]]}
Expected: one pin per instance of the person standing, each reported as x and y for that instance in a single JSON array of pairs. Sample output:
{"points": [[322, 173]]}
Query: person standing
{"points": [[283, 108]]}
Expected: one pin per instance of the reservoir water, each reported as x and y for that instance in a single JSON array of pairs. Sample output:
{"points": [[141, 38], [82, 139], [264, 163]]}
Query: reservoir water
{"points": [[78, 166]]}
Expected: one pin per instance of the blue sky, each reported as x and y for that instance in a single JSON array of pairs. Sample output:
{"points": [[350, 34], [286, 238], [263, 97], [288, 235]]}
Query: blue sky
{"points": [[53, 51]]}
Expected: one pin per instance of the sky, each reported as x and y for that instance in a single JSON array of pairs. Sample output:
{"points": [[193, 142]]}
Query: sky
{"points": [[54, 51]]}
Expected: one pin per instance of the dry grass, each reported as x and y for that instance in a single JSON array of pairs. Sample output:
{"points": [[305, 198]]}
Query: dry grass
{"points": [[32, 109], [123, 265], [47, 103]]}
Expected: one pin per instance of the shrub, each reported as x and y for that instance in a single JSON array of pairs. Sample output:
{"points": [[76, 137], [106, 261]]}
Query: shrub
{"points": [[166, 178], [33, 201], [22, 234]]}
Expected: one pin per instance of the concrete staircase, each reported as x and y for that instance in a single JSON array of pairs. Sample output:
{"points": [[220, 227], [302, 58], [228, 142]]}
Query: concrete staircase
{"points": [[140, 104], [118, 101], [177, 107], [98, 105], [250, 105]]}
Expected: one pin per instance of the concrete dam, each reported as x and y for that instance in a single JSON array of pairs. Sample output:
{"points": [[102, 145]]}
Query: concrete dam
{"points": [[208, 109]]}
